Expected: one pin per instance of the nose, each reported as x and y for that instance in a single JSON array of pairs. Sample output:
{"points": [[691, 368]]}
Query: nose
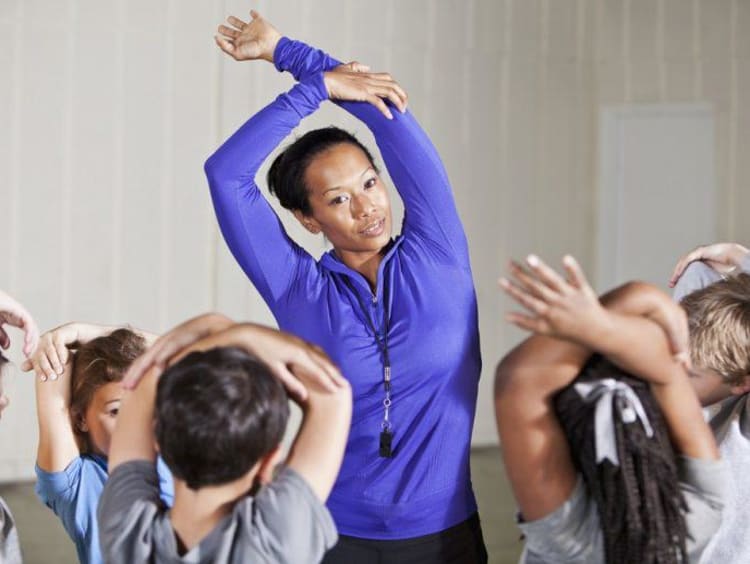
{"points": [[362, 205]]}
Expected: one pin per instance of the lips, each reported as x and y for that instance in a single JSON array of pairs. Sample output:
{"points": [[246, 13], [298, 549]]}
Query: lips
{"points": [[374, 229]]}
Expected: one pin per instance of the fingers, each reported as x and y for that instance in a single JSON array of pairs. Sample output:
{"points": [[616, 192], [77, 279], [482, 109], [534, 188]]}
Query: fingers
{"points": [[576, 277], [529, 283], [377, 101], [523, 298], [526, 322], [50, 352], [26, 365], [136, 371], [229, 32], [225, 45], [45, 368], [546, 274], [293, 386], [236, 22], [683, 263]]}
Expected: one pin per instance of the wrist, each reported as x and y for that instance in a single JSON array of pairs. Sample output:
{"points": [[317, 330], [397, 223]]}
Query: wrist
{"points": [[271, 44]]}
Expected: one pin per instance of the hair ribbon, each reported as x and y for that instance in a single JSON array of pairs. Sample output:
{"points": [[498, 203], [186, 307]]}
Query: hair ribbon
{"points": [[605, 393]]}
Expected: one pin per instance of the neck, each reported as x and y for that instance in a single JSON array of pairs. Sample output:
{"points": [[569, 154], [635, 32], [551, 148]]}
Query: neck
{"points": [[197, 512], [365, 263]]}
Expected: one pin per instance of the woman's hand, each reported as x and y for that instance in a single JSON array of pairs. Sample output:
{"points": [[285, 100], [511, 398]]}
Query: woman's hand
{"points": [[14, 314], [171, 343], [249, 41], [353, 82], [722, 257]]}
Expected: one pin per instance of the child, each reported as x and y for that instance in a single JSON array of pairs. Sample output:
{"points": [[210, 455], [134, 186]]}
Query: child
{"points": [[712, 281], [218, 416], [78, 399], [603, 469], [13, 314]]}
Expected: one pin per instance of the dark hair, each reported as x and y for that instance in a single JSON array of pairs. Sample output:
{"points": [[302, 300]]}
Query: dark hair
{"points": [[97, 363], [286, 177], [640, 504], [217, 413]]}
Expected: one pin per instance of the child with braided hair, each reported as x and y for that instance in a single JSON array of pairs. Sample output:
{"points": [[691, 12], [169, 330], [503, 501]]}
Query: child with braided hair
{"points": [[603, 437]]}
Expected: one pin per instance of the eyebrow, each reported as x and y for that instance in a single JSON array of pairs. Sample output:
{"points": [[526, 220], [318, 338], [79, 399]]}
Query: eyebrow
{"points": [[339, 187], [112, 401]]}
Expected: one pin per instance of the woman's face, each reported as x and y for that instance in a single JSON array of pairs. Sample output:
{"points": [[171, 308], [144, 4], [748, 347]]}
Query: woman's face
{"points": [[101, 415], [349, 202]]}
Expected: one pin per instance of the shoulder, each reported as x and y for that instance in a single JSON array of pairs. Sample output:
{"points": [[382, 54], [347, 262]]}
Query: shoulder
{"points": [[82, 472], [287, 519]]}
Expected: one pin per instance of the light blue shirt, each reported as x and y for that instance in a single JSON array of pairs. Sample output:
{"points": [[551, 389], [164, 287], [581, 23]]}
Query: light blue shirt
{"points": [[73, 494]]}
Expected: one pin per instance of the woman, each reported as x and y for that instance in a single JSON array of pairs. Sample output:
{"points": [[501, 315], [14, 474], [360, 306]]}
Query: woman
{"points": [[78, 395], [397, 315], [605, 466]]}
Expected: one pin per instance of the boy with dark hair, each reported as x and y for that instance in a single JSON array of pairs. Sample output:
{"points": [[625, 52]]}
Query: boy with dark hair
{"points": [[218, 414]]}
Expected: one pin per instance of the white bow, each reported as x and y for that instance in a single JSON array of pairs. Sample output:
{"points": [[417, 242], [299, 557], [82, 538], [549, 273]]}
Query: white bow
{"points": [[604, 392]]}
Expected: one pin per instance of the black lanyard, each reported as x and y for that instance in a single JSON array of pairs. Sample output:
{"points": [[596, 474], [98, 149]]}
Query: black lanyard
{"points": [[386, 433]]}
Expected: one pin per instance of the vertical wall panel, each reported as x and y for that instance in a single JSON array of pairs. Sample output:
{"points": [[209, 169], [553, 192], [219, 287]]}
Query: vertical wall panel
{"points": [[110, 110]]}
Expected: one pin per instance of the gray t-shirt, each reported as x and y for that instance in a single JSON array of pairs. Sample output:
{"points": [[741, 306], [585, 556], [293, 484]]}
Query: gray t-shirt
{"points": [[284, 522], [10, 549], [572, 535]]}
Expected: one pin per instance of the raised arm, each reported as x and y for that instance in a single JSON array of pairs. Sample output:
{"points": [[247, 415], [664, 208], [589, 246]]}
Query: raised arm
{"points": [[52, 363], [307, 373], [318, 449], [410, 157], [571, 324]]}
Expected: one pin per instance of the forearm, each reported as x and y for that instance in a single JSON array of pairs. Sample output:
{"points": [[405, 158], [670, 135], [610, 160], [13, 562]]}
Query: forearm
{"points": [[133, 437], [638, 346], [238, 160], [410, 157], [318, 449], [57, 445]]}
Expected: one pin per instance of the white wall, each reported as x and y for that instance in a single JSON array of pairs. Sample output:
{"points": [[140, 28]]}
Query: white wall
{"points": [[108, 109]]}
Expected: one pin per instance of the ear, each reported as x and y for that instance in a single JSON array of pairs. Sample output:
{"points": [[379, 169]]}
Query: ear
{"points": [[308, 222], [267, 466], [743, 388], [81, 425]]}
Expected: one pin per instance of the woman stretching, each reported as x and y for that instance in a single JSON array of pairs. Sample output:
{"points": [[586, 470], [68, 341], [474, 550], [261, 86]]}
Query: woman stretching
{"points": [[397, 315], [605, 466]]}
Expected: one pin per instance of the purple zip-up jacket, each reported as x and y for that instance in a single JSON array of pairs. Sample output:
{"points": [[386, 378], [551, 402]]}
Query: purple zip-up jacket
{"points": [[433, 336]]}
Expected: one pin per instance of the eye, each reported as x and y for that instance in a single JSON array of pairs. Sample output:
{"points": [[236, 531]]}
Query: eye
{"points": [[371, 182], [113, 412], [338, 200]]}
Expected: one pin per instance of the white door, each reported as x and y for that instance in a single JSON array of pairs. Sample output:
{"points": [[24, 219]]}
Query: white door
{"points": [[657, 190]]}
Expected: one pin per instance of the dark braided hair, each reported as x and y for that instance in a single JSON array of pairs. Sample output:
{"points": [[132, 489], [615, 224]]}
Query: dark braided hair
{"points": [[640, 504]]}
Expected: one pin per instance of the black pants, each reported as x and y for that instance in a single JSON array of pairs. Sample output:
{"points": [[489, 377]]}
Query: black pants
{"points": [[461, 544]]}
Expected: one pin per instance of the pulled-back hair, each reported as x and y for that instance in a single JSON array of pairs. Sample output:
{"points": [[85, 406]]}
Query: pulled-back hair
{"points": [[286, 177], [719, 324], [217, 413], [640, 504], [97, 363]]}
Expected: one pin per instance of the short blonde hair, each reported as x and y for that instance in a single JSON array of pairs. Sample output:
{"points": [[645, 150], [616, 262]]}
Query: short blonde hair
{"points": [[719, 324]]}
